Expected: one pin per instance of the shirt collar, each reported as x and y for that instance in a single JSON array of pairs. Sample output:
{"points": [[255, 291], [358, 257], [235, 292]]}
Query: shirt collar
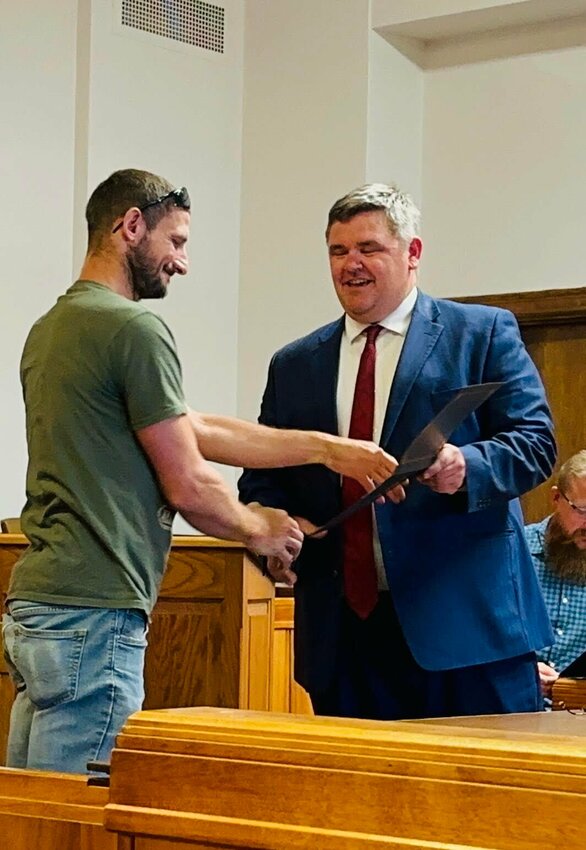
{"points": [[397, 322]]}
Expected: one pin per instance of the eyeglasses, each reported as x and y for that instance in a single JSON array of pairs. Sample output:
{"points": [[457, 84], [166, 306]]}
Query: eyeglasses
{"points": [[580, 510], [180, 198]]}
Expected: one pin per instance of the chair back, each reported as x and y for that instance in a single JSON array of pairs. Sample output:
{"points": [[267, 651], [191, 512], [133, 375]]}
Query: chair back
{"points": [[11, 525]]}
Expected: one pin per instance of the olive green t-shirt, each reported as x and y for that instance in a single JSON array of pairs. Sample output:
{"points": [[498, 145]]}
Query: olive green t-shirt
{"points": [[95, 369]]}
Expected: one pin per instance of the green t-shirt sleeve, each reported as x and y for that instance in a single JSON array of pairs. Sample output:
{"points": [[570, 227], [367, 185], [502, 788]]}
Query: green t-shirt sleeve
{"points": [[148, 372]]}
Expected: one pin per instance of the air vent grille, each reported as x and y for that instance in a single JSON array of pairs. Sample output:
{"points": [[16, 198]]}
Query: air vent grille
{"points": [[188, 21]]}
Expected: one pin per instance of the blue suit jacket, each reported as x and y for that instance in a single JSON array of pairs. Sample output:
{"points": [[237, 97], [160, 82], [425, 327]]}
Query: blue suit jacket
{"points": [[458, 566]]}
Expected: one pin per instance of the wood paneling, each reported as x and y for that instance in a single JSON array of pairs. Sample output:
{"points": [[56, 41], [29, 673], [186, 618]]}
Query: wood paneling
{"points": [[559, 352], [553, 325], [540, 307]]}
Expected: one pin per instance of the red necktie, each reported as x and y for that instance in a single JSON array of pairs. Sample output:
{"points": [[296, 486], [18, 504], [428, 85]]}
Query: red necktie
{"points": [[360, 579]]}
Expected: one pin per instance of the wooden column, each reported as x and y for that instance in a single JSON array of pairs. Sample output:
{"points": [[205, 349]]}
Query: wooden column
{"points": [[286, 694]]}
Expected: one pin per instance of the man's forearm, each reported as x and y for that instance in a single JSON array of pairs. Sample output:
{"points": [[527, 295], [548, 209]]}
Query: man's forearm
{"points": [[237, 442], [194, 488], [210, 506]]}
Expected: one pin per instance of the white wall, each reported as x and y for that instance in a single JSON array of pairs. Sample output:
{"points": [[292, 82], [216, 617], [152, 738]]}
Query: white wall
{"points": [[388, 12], [304, 145], [329, 105], [494, 151], [37, 77], [504, 180], [177, 111], [137, 101], [395, 118]]}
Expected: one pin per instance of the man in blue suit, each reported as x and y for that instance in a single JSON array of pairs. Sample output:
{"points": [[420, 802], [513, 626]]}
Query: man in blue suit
{"points": [[457, 612]]}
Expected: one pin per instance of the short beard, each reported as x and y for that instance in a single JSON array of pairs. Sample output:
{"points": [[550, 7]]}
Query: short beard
{"points": [[144, 277], [562, 556]]}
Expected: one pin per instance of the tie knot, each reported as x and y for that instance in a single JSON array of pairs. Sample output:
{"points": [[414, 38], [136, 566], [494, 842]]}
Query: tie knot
{"points": [[372, 331]]}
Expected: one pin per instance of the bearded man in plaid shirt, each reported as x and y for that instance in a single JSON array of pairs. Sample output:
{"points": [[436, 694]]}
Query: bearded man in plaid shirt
{"points": [[558, 548]]}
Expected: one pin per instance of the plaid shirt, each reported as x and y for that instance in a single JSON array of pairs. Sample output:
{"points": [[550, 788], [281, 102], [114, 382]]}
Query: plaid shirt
{"points": [[565, 602]]}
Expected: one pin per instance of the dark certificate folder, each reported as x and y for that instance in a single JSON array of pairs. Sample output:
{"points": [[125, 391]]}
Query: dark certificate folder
{"points": [[576, 669], [422, 452]]}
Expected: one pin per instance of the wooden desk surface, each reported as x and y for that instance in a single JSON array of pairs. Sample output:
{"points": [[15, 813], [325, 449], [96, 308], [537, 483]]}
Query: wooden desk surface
{"points": [[548, 735], [502, 725]]}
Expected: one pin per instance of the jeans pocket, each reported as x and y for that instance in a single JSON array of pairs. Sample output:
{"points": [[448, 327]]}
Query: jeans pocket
{"points": [[133, 629], [47, 661]]}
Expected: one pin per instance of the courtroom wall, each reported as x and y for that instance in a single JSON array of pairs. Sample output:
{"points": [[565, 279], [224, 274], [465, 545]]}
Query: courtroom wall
{"points": [[328, 104], [503, 175], [491, 150], [306, 103], [37, 78], [304, 141], [81, 97], [395, 118]]}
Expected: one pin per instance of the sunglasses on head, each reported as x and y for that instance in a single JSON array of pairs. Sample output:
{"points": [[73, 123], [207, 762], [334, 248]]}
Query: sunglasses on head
{"points": [[180, 198]]}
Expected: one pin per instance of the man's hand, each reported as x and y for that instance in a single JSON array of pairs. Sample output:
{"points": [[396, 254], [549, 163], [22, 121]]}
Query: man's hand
{"points": [[447, 472], [364, 461], [283, 572], [547, 676], [274, 533]]}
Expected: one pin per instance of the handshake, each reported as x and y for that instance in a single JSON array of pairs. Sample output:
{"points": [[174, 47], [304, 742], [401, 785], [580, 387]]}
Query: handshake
{"points": [[279, 536]]}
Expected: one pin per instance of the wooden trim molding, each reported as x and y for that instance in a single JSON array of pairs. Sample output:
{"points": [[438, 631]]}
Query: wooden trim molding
{"points": [[539, 307], [180, 541]]}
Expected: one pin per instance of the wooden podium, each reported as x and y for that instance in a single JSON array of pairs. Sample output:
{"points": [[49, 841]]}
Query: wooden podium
{"points": [[210, 639]]}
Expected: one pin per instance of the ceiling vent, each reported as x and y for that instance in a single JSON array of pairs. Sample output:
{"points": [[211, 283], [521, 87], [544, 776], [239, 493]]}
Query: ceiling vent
{"points": [[187, 21]]}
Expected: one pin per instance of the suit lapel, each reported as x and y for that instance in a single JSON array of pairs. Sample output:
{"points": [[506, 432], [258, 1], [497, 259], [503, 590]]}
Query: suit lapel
{"points": [[323, 375], [422, 336]]}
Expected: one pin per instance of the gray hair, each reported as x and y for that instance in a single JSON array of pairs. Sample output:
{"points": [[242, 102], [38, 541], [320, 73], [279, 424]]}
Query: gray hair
{"points": [[574, 467], [403, 216]]}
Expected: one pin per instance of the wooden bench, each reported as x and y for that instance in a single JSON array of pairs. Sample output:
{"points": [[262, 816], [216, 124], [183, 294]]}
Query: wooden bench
{"points": [[53, 811], [216, 778]]}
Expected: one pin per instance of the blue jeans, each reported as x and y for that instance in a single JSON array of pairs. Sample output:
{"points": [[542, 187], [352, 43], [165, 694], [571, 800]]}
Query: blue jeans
{"points": [[78, 674]]}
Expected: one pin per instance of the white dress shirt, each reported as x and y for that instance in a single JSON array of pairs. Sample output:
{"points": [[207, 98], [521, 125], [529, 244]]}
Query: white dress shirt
{"points": [[389, 344]]}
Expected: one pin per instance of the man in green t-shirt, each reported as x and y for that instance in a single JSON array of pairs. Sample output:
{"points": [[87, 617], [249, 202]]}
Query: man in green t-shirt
{"points": [[114, 452]]}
